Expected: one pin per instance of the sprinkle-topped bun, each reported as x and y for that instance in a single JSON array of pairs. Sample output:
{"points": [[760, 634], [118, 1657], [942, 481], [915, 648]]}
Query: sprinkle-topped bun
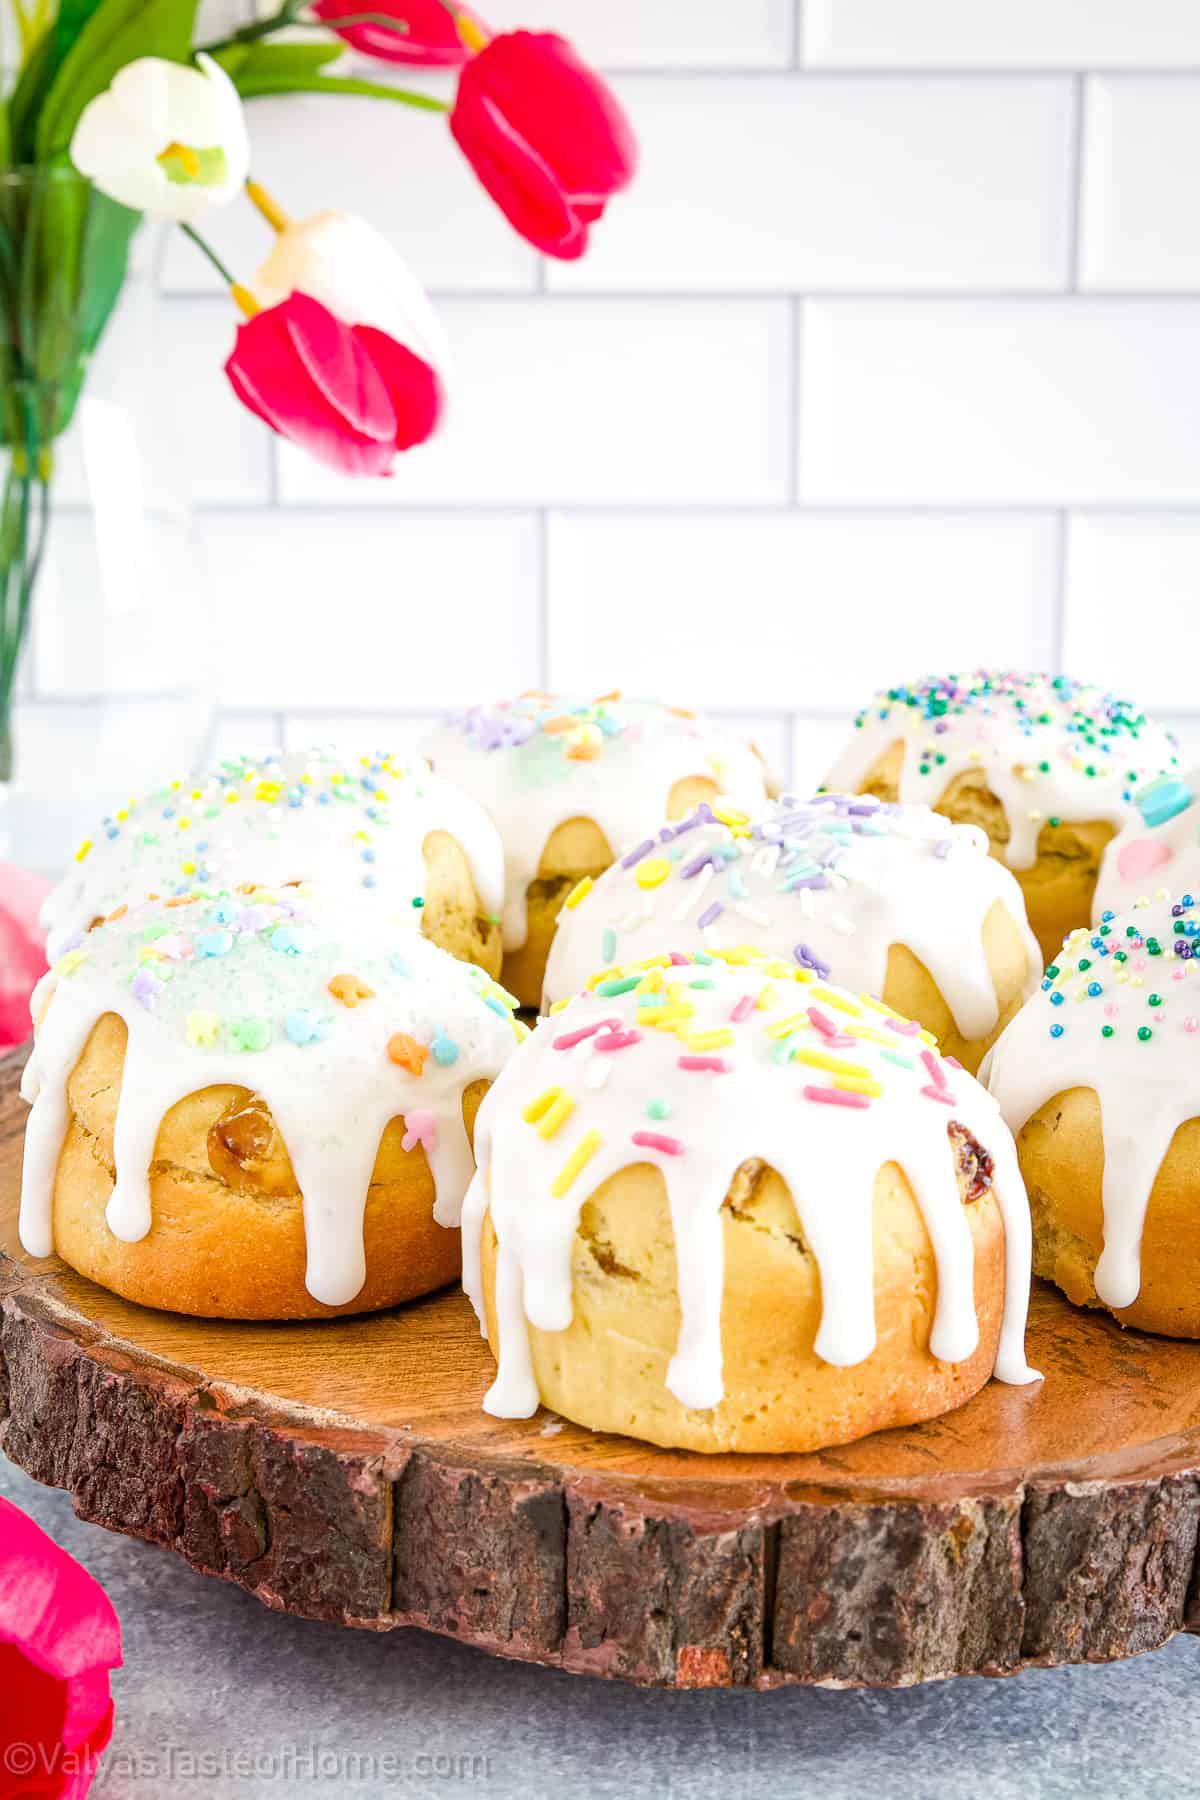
{"points": [[893, 899], [1099, 1076], [1049, 767], [257, 1106], [369, 827], [722, 1205], [1157, 850], [572, 784]]}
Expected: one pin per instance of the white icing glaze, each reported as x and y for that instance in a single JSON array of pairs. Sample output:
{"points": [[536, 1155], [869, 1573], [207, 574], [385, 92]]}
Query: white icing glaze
{"points": [[832, 883], [1134, 973], [824, 1088], [236, 990], [1035, 737], [536, 762], [1158, 849], [357, 826]]}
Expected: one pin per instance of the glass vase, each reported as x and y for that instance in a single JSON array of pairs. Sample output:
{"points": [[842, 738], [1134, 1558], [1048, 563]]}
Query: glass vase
{"points": [[103, 685]]}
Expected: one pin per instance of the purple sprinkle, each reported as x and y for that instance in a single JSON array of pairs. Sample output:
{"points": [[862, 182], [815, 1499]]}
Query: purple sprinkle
{"points": [[942, 847], [808, 959], [635, 856], [697, 863], [710, 915], [145, 987]]}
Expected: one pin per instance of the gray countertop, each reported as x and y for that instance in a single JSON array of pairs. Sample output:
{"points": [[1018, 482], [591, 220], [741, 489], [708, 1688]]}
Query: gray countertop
{"points": [[221, 1699]]}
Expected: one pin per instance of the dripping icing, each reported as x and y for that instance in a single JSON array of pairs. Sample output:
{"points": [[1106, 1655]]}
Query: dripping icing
{"points": [[539, 761], [236, 990], [833, 882], [764, 1092]]}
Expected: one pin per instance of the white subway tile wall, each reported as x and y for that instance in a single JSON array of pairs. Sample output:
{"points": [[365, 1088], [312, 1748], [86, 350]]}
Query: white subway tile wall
{"points": [[889, 363]]}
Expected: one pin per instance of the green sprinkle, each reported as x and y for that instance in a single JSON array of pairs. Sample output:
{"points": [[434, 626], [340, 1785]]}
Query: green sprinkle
{"points": [[1154, 1000], [1144, 1033], [658, 1109], [618, 985], [418, 900], [1106, 1031], [901, 1061]]}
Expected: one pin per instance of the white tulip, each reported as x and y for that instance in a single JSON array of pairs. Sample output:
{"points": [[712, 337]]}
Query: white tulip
{"points": [[351, 268], [165, 139]]}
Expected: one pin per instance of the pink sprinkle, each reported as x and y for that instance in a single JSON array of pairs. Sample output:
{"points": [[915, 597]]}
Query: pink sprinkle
{"points": [[835, 1096], [906, 1027], [942, 1093], [952, 1062], [617, 1040], [420, 1128], [836, 1039], [1112, 1010], [679, 960], [935, 1069], [1139, 962], [654, 1140], [1191, 1024], [569, 1039], [717, 1065], [743, 1009]]}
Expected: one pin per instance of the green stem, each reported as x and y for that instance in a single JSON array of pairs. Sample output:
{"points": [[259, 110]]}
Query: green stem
{"points": [[206, 249], [250, 34]]}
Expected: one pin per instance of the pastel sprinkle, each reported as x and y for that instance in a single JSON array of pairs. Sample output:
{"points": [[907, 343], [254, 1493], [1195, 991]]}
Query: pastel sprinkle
{"points": [[715, 1065], [407, 1053], [828, 1096], [555, 1115], [420, 1127], [203, 1029], [582, 1154], [579, 892], [654, 1140]]}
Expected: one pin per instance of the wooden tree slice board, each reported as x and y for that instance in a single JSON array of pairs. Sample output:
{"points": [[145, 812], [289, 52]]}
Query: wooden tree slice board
{"points": [[344, 1471]]}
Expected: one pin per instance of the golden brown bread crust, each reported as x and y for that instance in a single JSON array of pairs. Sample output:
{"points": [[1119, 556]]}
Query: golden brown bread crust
{"points": [[227, 1238], [575, 849], [1059, 887], [453, 915], [912, 991], [608, 1369], [1062, 1159]]}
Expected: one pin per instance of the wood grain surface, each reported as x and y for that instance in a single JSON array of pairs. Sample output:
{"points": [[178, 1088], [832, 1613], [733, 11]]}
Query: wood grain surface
{"points": [[343, 1470]]}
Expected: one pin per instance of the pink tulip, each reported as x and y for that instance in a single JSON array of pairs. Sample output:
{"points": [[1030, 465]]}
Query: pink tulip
{"points": [[59, 1639], [545, 135], [431, 37], [348, 394], [22, 956]]}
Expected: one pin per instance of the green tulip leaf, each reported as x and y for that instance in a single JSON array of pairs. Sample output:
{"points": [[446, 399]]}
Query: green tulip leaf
{"points": [[255, 86], [240, 60]]}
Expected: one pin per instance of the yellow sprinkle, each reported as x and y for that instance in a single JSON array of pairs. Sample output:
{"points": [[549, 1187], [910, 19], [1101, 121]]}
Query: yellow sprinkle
{"points": [[538, 1108], [123, 815], [185, 824], [521, 1030], [650, 962], [69, 961], [782, 1027], [81, 853], [594, 981], [858, 1084], [737, 959], [664, 1015], [559, 1004], [651, 983], [766, 998], [556, 1115], [869, 1035], [821, 1059], [203, 1029], [231, 798], [927, 1037], [579, 892], [878, 1006], [783, 971], [582, 1154], [189, 868], [729, 815], [653, 872], [712, 1040], [837, 1002]]}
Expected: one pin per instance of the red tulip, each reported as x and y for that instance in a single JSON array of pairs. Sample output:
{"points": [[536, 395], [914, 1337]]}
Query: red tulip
{"points": [[431, 39], [59, 1638], [348, 394], [22, 957], [546, 137]]}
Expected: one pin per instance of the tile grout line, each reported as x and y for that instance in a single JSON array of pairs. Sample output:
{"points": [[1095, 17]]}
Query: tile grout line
{"points": [[1058, 623], [1075, 191], [795, 470]]}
